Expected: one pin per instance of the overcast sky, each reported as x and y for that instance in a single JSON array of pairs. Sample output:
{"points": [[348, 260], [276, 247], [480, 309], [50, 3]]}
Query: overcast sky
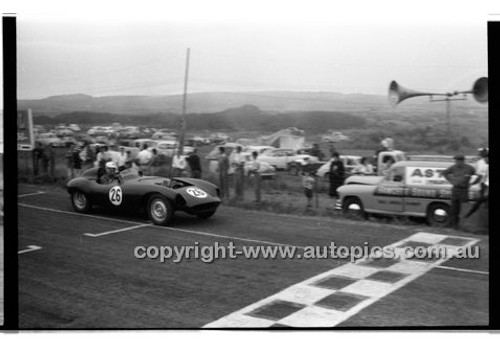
{"points": [[295, 48]]}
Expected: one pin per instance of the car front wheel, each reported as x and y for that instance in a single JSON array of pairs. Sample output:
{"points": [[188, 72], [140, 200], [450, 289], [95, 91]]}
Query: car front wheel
{"points": [[438, 215], [160, 210], [81, 202], [353, 208]]}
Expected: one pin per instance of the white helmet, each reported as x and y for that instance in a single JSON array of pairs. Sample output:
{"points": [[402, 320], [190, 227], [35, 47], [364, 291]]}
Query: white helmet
{"points": [[111, 167]]}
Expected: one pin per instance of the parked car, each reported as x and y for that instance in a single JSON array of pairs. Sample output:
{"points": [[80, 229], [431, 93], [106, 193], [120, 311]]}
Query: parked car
{"points": [[350, 162], [49, 139], [266, 170], [166, 134], [69, 140], [166, 147], [278, 158]]}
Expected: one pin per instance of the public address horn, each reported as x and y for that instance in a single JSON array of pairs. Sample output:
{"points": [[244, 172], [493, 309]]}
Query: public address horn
{"points": [[398, 93]]}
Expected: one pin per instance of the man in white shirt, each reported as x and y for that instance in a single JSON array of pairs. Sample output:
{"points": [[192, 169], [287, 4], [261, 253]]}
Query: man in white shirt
{"points": [[179, 164], [237, 164], [255, 170], [483, 171], [121, 159], [144, 157], [482, 164]]}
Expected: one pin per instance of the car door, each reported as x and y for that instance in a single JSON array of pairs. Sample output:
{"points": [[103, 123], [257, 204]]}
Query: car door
{"points": [[389, 193]]}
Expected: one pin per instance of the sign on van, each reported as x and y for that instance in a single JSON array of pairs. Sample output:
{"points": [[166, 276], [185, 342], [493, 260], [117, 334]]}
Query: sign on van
{"points": [[425, 176]]}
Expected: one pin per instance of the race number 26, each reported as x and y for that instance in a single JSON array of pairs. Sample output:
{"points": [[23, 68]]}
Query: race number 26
{"points": [[115, 195]]}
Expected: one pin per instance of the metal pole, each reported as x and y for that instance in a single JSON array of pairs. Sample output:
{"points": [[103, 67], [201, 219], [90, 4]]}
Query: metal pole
{"points": [[183, 119], [316, 191], [448, 119]]}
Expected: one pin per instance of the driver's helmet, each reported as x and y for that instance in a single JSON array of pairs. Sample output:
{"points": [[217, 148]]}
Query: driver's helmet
{"points": [[111, 168]]}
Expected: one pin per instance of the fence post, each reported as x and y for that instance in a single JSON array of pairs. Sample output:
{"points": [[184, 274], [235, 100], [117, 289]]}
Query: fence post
{"points": [[52, 162], [257, 187]]}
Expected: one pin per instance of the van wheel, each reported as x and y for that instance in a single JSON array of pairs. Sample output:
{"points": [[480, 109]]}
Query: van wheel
{"points": [[438, 215], [353, 208]]}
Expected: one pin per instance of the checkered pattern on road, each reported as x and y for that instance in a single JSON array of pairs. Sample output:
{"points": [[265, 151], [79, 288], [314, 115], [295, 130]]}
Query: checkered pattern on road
{"points": [[330, 298]]}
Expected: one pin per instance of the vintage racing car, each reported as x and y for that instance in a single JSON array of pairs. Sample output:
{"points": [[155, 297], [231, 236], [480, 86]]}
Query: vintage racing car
{"points": [[160, 197]]}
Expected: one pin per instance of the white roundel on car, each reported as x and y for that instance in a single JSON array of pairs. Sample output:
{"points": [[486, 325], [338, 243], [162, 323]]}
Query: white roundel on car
{"points": [[196, 192], [115, 195]]}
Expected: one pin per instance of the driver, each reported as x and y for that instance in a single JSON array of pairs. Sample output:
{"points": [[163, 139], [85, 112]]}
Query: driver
{"points": [[111, 173]]}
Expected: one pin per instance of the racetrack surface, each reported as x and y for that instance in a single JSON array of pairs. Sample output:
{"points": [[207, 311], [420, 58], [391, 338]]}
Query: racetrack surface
{"points": [[79, 271]]}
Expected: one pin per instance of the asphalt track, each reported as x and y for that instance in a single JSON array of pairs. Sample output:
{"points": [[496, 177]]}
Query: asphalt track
{"points": [[79, 271]]}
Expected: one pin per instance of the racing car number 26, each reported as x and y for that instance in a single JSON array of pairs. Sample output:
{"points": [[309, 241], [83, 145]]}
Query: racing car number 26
{"points": [[115, 195], [196, 192]]}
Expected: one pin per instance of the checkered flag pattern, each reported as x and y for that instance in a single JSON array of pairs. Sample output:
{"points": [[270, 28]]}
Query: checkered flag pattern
{"points": [[330, 298]]}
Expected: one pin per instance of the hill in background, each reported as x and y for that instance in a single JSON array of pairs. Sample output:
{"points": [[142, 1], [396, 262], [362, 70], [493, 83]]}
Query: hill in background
{"points": [[415, 124]]}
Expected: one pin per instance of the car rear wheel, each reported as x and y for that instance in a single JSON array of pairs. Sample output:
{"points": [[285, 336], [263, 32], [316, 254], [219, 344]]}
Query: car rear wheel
{"points": [[160, 210], [438, 215], [81, 202], [353, 208], [206, 215]]}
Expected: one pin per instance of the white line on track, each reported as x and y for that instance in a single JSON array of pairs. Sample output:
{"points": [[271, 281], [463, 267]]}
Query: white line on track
{"points": [[78, 214], [141, 224], [226, 237], [30, 194], [463, 270], [115, 231], [30, 248]]}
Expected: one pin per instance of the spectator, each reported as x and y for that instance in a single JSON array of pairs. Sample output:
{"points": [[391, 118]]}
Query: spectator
{"points": [[144, 158], [255, 171], [153, 164], [337, 175], [101, 170], [316, 152], [194, 164], [459, 176], [387, 166], [129, 161], [87, 156], [69, 163], [179, 164], [223, 172], [39, 155], [77, 162], [237, 162], [122, 158], [482, 170], [308, 184], [106, 155], [363, 167], [332, 149], [52, 160]]}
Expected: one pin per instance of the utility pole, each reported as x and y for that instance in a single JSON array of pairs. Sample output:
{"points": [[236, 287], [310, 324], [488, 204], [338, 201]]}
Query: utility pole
{"points": [[448, 101], [184, 100]]}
